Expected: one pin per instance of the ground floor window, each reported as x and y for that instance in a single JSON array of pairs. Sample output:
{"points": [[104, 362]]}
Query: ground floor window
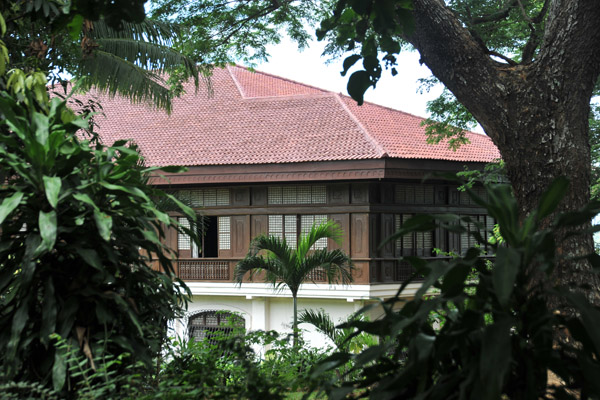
{"points": [[208, 323]]}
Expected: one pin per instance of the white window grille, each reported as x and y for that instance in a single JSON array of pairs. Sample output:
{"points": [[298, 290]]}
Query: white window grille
{"points": [[224, 227], [183, 240], [304, 194], [209, 197], [319, 194], [306, 222]]}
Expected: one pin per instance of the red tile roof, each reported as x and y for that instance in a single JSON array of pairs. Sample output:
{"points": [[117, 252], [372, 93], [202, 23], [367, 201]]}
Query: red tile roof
{"points": [[257, 118]]}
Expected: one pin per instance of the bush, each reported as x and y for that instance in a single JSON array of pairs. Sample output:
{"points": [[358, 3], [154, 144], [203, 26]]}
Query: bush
{"points": [[497, 339], [79, 227]]}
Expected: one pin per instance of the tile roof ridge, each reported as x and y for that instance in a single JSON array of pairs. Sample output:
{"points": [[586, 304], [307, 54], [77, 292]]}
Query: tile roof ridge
{"points": [[237, 83], [378, 147], [257, 71], [290, 96]]}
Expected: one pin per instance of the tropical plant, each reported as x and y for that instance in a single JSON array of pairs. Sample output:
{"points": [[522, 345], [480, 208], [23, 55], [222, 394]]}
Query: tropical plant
{"points": [[128, 56], [343, 338], [78, 232], [498, 337], [284, 266]]}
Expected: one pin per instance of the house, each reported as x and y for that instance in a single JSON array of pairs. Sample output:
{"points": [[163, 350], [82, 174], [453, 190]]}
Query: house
{"points": [[269, 155]]}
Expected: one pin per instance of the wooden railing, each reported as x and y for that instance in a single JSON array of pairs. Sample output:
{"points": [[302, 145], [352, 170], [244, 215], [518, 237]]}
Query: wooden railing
{"points": [[205, 269], [371, 270]]}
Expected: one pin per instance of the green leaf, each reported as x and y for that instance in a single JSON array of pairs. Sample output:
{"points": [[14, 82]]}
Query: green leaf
{"points": [[552, 196], [52, 187], [49, 311], [349, 62], [495, 358], [590, 317], [506, 269], [47, 225], [18, 324], [358, 83], [42, 125], [9, 204], [74, 27], [104, 224], [59, 370], [90, 256]]}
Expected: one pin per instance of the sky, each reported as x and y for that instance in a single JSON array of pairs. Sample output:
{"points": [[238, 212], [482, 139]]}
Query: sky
{"points": [[398, 92]]}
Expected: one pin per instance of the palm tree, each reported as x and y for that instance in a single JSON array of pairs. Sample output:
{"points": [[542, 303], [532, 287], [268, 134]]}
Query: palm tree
{"points": [[284, 266]]}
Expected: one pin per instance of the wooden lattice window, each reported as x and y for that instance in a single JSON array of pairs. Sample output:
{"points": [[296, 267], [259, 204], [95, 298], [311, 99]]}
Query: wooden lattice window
{"points": [[414, 194], [415, 243], [304, 194], [486, 225], [209, 197], [206, 324]]}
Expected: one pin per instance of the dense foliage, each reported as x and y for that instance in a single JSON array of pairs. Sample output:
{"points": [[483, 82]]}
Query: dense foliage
{"points": [[79, 228], [109, 43], [488, 337]]}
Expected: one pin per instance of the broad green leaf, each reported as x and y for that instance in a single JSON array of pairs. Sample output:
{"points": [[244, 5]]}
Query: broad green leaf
{"points": [[505, 272], [42, 127], [18, 324], [349, 62], [47, 224], [74, 27], [59, 370], [52, 185], [358, 83], [104, 224], [495, 358], [9, 204], [90, 256], [131, 190], [49, 311], [590, 317], [553, 195], [84, 198]]}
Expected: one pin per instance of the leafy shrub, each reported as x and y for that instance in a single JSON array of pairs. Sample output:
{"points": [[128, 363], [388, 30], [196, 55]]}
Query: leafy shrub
{"points": [[497, 339], [78, 229]]}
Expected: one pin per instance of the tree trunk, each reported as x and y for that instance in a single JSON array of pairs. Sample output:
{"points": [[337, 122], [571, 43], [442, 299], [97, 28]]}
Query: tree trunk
{"points": [[295, 324], [536, 114]]}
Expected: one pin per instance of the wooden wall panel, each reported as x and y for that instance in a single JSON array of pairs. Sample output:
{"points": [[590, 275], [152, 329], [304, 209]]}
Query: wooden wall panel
{"points": [[359, 235], [339, 194], [240, 235], [387, 230], [343, 220], [259, 196], [240, 196], [258, 225], [359, 193]]}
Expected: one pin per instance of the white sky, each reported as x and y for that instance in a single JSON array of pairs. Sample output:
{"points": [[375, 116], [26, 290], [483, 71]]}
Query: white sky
{"points": [[399, 92]]}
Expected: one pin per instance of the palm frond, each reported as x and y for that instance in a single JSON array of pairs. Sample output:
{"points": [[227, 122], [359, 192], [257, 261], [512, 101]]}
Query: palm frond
{"points": [[322, 323], [253, 265], [147, 30], [129, 62], [274, 246], [328, 229], [152, 56], [111, 74], [336, 265]]}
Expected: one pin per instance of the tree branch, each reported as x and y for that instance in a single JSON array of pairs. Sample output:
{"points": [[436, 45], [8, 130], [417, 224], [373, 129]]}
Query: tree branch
{"points": [[497, 16]]}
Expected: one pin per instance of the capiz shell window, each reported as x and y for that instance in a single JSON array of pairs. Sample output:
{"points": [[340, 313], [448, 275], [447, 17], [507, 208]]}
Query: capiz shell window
{"points": [[304, 194]]}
